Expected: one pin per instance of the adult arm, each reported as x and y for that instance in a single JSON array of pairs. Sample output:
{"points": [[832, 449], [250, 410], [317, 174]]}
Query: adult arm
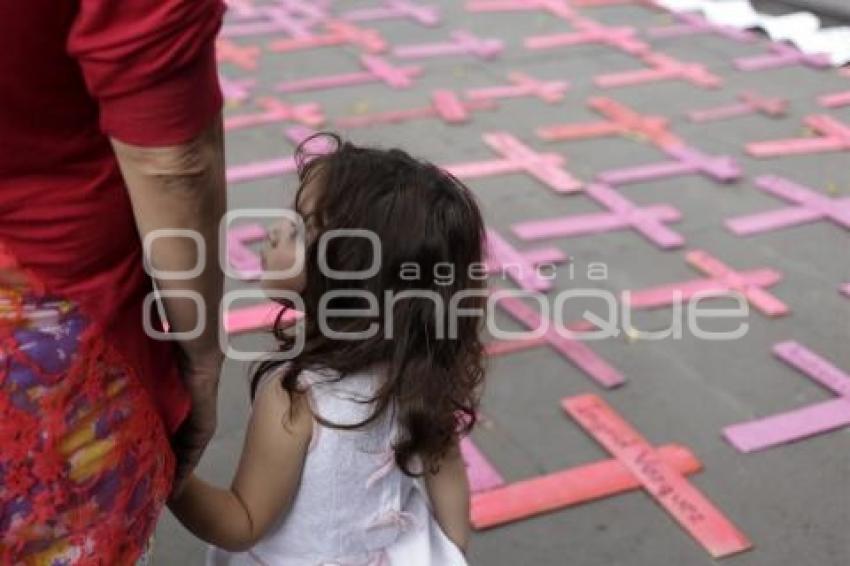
{"points": [[183, 187], [150, 67]]}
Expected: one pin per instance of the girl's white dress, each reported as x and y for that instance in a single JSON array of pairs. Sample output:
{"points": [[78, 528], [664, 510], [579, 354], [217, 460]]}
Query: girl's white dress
{"points": [[354, 506]]}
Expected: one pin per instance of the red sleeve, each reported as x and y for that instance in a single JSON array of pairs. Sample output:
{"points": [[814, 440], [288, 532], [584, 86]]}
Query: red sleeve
{"points": [[150, 64]]}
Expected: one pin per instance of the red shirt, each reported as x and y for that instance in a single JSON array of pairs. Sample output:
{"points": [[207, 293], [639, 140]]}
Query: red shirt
{"points": [[72, 74]]}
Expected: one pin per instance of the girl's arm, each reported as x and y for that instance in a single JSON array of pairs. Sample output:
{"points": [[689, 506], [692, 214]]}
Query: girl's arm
{"points": [[448, 490], [267, 478]]}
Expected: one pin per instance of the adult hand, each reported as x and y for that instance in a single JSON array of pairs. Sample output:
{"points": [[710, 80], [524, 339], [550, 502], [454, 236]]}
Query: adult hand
{"points": [[201, 375]]}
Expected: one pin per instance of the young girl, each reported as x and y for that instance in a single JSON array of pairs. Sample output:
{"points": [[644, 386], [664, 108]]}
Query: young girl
{"points": [[351, 455]]}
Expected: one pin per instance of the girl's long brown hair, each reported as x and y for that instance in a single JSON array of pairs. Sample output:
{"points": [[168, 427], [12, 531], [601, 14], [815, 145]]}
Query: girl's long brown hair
{"points": [[422, 216]]}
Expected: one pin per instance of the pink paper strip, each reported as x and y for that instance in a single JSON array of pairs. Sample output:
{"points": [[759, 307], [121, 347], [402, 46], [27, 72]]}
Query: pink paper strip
{"points": [[575, 351], [481, 473]]}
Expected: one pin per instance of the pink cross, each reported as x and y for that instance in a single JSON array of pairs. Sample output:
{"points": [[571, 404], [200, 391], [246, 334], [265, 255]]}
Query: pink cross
{"points": [[589, 31], [495, 348], [245, 260], [781, 55], [522, 85], [620, 120], [521, 266], [309, 114], [685, 503], [804, 422], [662, 68], [394, 9], [236, 90], [691, 23], [244, 56], [685, 161], [337, 32], [280, 166], [557, 8], [572, 349], [833, 135], [375, 69], [445, 105], [808, 206], [835, 100], [621, 214], [517, 157], [293, 17], [482, 474], [750, 102], [461, 43], [721, 279], [567, 488]]}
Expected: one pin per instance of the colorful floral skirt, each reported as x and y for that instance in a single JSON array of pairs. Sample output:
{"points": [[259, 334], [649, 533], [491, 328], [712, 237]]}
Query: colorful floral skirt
{"points": [[85, 462]]}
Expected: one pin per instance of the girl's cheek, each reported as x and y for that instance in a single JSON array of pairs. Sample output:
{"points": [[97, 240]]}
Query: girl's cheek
{"points": [[283, 258]]}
